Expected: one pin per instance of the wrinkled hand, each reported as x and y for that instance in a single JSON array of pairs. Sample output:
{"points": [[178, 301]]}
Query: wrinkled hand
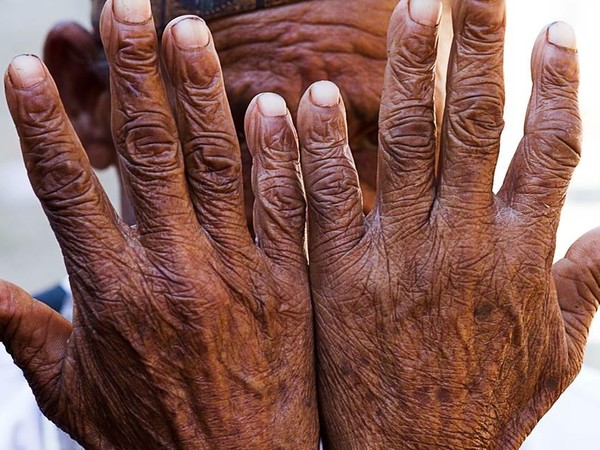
{"points": [[186, 334], [440, 321]]}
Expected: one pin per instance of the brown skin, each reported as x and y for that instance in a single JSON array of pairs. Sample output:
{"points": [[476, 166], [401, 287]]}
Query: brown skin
{"points": [[439, 322], [186, 333]]}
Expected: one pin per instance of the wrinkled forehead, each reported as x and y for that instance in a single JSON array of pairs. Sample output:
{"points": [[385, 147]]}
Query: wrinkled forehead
{"points": [[166, 10]]}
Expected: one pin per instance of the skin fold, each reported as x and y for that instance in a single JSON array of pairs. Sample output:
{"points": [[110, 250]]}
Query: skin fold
{"points": [[440, 321]]}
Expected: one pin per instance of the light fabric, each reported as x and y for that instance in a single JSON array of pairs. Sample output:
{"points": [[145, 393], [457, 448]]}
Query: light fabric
{"points": [[22, 425], [572, 423]]}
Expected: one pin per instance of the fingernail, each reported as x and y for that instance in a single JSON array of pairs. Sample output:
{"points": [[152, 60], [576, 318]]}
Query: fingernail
{"points": [[325, 94], [426, 12], [561, 33], [271, 105], [190, 33], [132, 11], [26, 71]]}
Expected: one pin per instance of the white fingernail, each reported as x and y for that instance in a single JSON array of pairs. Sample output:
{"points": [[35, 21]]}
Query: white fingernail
{"points": [[133, 11], [26, 71], [325, 94], [271, 105], [190, 32], [561, 33], [426, 12]]}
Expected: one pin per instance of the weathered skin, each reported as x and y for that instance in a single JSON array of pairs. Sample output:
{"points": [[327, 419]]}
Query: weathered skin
{"points": [[186, 334], [440, 320]]}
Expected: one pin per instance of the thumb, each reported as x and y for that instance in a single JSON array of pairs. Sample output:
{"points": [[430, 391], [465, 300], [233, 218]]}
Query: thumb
{"points": [[36, 337], [577, 279]]}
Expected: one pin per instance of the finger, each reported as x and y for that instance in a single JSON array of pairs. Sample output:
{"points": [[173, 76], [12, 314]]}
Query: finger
{"points": [[538, 177], [144, 129], [407, 125], [335, 214], [210, 144], [36, 337], [474, 106], [78, 210], [279, 206], [577, 278]]}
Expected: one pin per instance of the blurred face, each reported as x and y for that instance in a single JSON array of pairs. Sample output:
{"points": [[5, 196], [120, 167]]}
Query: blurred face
{"points": [[283, 50]]}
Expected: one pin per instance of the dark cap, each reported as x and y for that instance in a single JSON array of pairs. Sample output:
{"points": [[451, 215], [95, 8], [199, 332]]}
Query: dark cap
{"points": [[166, 10]]}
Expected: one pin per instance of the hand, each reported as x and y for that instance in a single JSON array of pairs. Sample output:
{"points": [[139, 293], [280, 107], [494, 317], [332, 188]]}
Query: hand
{"points": [[440, 323], [186, 334]]}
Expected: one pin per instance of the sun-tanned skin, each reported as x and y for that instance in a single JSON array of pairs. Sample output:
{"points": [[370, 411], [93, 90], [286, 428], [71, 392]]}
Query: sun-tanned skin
{"points": [[438, 317], [440, 322], [186, 334]]}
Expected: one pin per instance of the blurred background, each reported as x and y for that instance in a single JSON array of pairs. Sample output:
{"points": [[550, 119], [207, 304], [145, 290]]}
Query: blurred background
{"points": [[29, 255]]}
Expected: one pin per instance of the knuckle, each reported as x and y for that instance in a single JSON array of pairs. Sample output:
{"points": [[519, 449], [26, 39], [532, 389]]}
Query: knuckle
{"points": [[567, 146], [403, 131], [39, 114], [281, 193], [482, 24], [278, 146], [208, 93], [322, 148], [472, 127], [203, 78], [67, 192], [218, 174], [556, 144], [335, 185], [409, 153], [479, 41], [477, 97], [147, 140], [145, 126], [324, 130], [59, 180], [135, 53], [215, 153], [558, 81], [413, 55], [561, 69]]}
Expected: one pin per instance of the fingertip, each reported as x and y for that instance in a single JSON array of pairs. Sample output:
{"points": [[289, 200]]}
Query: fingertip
{"points": [[554, 59], [184, 41], [126, 21], [132, 11], [271, 105], [562, 34], [324, 94], [321, 115], [190, 56], [188, 32], [267, 116], [26, 71], [426, 12]]}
